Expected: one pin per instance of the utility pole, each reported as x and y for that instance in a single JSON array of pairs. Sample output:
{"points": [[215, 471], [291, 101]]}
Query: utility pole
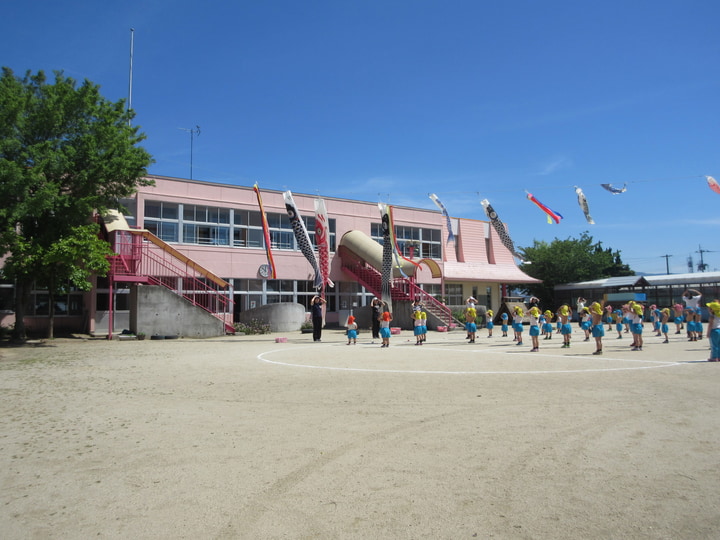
{"points": [[701, 265], [194, 131], [667, 262]]}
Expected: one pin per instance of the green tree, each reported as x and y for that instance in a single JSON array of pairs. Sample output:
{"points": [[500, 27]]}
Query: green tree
{"points": [[66, 155], [568, 261]]}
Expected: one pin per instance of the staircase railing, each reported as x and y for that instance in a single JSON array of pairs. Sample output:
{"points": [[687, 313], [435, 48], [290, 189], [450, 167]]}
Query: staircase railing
{"points": [[400, 289], [142, 257]]}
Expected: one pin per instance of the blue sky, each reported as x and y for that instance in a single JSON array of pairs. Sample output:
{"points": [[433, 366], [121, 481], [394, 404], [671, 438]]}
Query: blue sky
{"points": [[385, 100]]}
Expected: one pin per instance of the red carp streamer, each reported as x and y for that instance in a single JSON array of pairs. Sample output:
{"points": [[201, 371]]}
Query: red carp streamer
{"points": [[552, 215]]}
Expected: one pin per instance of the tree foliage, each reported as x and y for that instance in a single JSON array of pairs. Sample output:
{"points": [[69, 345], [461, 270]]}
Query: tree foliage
{"points": [[66, 154], [568, 261]]}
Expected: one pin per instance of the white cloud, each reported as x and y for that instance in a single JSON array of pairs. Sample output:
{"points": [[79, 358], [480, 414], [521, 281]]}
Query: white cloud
{"points": [[556, 164]]}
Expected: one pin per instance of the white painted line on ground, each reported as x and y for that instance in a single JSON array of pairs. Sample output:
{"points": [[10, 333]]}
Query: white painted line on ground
{"points": [[654, 364]]}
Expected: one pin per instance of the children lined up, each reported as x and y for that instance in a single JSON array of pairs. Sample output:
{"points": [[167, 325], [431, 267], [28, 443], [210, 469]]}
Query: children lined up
{"points": [[629, 318]]}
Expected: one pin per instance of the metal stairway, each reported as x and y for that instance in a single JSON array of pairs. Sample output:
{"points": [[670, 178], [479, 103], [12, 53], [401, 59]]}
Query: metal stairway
{"points": [[142, 257], [402, 289]]}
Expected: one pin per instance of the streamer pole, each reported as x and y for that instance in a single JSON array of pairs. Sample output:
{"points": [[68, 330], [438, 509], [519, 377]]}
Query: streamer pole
{"points": [[130, 83]]}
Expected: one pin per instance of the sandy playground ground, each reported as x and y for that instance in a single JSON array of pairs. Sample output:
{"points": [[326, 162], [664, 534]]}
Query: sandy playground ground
{"points": [[243, 437]]}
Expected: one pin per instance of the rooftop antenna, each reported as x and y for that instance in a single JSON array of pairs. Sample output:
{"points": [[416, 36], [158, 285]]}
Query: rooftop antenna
{"points": [[193, 131], [132, 50]]}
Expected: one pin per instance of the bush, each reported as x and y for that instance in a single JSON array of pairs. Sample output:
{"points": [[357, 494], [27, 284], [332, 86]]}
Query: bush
{"points": [[255, 326], [459, 315]]}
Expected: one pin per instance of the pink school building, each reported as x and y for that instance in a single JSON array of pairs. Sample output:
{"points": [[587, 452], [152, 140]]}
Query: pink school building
{"points": [[219, 227]]}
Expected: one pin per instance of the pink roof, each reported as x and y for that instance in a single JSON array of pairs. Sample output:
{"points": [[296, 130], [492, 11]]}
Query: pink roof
{"points": [[496, 273], [483, 257]]}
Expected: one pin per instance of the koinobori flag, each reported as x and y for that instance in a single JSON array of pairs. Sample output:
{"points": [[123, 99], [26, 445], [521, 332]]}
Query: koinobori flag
{"points": [[551, 214], [614, 190], [387, 255], [322, 241], [499, 227], [444, 211], [301, 236], [266, 234], [582, 201]]}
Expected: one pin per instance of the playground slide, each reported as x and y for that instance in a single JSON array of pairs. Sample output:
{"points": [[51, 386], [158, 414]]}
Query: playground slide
{"points": [[367, 249]]}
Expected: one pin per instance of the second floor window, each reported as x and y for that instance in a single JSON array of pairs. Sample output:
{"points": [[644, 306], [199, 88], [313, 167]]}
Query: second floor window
{"points": [[413, 242], [207, 225]]}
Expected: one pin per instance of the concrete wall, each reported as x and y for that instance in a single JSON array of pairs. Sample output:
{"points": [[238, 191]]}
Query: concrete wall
{"points": [[282, 317], [121, 321], [158, 311]]}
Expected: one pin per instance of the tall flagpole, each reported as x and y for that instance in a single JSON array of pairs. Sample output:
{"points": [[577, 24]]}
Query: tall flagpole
{"points": [[132, 50]]}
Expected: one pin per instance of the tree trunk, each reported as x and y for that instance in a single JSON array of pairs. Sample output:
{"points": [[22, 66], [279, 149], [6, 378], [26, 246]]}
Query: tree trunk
{"points": [[51, 312], [22, 297]]}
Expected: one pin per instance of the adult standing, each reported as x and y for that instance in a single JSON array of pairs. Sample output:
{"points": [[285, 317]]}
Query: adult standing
{"points": [[580, 305], [376, 306], [693, 316], [316, 310]]}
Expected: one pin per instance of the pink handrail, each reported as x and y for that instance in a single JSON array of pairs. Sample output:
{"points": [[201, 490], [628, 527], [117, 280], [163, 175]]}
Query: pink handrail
{"points": [[401, 289], [142, 261]]}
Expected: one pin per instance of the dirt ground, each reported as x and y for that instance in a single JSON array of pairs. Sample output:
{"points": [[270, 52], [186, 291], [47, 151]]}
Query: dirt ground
{"points": [[243, 437]]}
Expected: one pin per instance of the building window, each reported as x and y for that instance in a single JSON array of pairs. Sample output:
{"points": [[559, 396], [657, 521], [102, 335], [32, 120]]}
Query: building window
{"points": [[7, 296], [161, 219], [161, 210], [248, 230], [206, 214], [65, 304], [206, 234], [433, 289], [454, 293], [206, 225], [413, 242], [167, 232], [310, 225]]}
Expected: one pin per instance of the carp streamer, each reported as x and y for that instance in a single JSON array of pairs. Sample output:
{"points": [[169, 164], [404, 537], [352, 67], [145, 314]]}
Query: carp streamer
{"points": [[551, 214], [266, 233]]}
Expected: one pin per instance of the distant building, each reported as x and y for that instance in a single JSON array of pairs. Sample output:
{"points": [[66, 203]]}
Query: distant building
{"points": [[663, 290]]}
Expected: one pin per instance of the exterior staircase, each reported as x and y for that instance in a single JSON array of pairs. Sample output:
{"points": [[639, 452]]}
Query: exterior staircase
{"points": [[402, 289], [142, 257]]}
